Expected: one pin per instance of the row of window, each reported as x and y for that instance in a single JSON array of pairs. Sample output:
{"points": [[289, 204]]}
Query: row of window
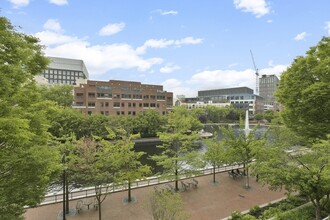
{"points": [[119, 113], [123, 96], [118, 104]]}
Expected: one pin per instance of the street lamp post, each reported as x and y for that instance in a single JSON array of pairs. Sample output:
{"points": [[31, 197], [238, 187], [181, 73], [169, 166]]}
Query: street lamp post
{"points": [[64, 188]]}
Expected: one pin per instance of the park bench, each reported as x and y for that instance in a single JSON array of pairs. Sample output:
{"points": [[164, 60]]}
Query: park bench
{"points": [[194, 183], [184, 186], [79, 206], [232, 174]]}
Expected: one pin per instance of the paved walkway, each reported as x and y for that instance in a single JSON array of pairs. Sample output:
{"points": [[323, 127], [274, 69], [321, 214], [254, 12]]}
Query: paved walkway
{"points": [[208, 202]]}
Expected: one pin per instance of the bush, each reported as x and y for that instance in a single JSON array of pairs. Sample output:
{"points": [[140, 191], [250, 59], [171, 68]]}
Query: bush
{"points": [[236, 215], [255, 211]]}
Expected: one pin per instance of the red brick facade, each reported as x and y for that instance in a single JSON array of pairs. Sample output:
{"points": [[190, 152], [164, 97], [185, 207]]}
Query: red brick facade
{"points": [[116, 97]]}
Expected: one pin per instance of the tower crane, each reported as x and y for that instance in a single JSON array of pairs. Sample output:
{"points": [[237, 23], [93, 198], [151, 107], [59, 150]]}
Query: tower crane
{"points": [[257, 74]]}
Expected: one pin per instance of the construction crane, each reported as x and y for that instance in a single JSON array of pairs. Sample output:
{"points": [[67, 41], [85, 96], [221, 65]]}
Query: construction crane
{"points": [[257, 74]]}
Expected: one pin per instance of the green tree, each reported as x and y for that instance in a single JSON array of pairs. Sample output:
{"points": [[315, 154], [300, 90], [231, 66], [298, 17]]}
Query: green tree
{"points": [[215, 153], [258, 116], [27, 163], [241, 148], [60, 94], [178, 157], [149, 123], [304, 91], [131, 168], [95, 163], [303, 170], [164, 204]]}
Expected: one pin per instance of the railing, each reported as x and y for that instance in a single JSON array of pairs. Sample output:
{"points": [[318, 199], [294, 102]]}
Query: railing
{"points": [[111, 188]]}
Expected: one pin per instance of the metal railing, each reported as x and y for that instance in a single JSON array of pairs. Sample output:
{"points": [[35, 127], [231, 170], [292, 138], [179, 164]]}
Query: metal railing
{"points": [[111, 188]]}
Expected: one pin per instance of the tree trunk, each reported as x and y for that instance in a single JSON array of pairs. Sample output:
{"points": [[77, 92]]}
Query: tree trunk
{"points": [[176, 177], [247, 185], [129, 199], [213, 173], [318, 211], [67, 209], [100, 213]]}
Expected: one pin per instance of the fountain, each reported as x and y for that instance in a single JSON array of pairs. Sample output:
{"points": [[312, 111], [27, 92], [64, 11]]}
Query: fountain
{"points": [[247, 125]]}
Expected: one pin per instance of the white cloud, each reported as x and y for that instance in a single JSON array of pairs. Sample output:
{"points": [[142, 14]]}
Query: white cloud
{"points": [[19, 3], [169, 68], [218, 79], [171, 12], [232, 65], [99, 59], [269, 21], [111, 29], [53, 25], [256, 7], [163, 43], [327, 26], [59, 2], [300, 36]]}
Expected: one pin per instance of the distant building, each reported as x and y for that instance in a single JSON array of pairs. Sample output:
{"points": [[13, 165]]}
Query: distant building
{"points": [[240, 98], [117, 97], [267, 88], [64, 71]]}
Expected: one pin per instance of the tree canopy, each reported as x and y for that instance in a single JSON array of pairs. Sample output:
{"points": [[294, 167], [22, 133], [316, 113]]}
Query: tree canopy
{"points": [[304, 91], [27, 163]]}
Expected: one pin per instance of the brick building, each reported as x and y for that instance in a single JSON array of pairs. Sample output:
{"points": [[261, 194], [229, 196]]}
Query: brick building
{"points": [[117, 97]]}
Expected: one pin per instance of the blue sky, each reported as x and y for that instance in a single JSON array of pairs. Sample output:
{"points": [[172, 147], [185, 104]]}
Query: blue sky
{"points": [[184, 45]]}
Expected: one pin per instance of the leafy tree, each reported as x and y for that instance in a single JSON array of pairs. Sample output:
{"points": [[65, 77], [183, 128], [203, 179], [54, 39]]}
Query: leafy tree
{"points": [[131, 168], [303, 170], [164, 204], [178, 157], [269, 115], [215, 154], [304, 91], [258, 116], [149, 123], [27, 163], [61, 94], [95, 163], [241, 148]]}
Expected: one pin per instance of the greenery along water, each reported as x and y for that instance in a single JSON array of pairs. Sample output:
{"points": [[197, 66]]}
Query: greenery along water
{"points": [[149, 145]]}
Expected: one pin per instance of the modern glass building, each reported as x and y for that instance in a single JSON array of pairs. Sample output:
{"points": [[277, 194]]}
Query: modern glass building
{"points": [[240, 98], [65, 71]]}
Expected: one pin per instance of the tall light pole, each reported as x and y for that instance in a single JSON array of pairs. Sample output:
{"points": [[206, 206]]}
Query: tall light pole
{"points": [[64, 188]]}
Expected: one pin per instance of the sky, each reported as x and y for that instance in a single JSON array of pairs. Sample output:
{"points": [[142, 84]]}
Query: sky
{"points": [[184, 45]]}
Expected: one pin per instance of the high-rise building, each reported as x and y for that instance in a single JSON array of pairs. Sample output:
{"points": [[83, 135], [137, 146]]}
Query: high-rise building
{"points": [[267, 88], [117, 97], [65, 71]]}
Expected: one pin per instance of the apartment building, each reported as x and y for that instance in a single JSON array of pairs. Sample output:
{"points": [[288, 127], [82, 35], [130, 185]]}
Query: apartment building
{"points": [[117, 97]]}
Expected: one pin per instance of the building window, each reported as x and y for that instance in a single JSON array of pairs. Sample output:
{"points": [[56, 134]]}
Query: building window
{"points": [[102, 112], [153, 105], [129, 104], [116, 104], [134, 113], [129, 112], [89, 112], [140, 105], [79, 103], [137, 96], [125, 96], [123, 113], [116, 96], [122, 104], [134, 104], [106, 104], [146, 97], [145, 105], [118, 112], [91, 104], [79, 95]]}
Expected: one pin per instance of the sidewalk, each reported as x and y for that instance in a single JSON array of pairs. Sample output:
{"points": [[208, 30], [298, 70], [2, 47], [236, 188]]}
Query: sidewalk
{"points": [[209, 201]]}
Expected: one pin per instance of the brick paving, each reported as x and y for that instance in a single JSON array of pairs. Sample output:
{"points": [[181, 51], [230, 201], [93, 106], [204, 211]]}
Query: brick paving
{"points": [[208, 202]]}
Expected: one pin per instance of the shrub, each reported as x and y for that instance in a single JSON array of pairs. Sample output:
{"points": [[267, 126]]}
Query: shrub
{"points": [[236, 215], [255, 211]]}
